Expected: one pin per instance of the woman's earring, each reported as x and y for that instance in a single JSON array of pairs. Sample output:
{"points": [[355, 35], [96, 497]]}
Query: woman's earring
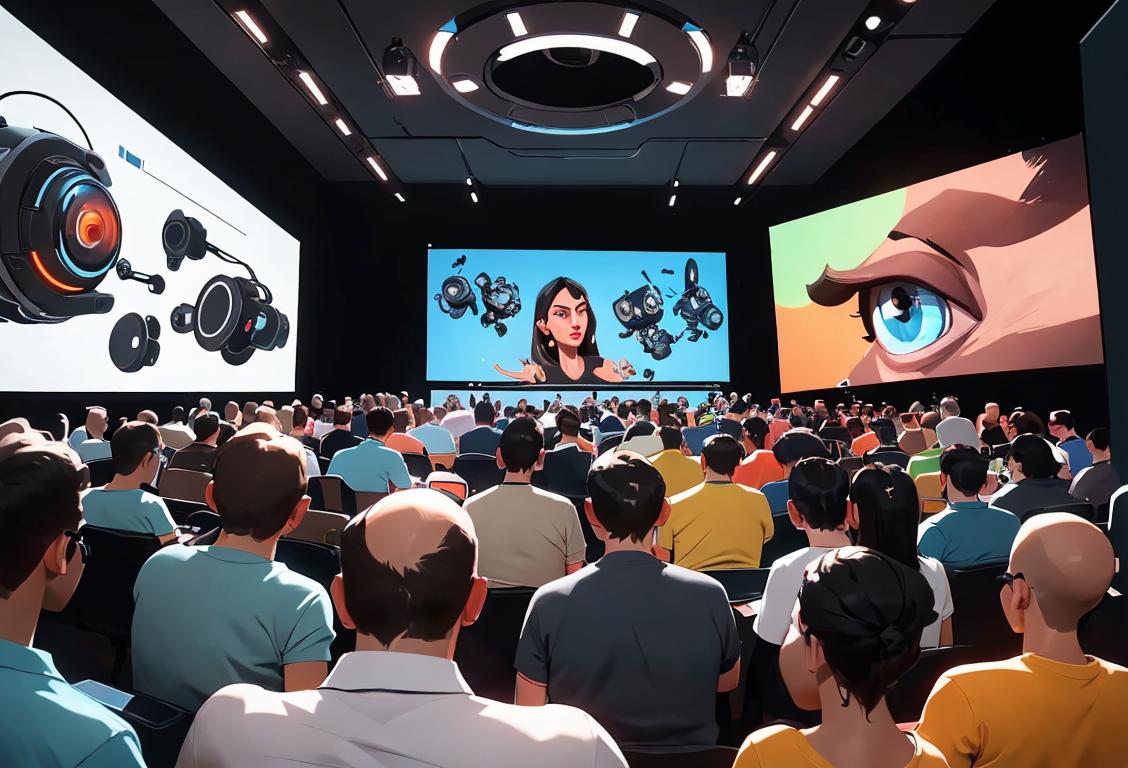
{"points": [[551, 343]]}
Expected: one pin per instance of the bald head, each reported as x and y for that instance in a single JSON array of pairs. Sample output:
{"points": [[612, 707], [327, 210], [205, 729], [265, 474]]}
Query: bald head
{"points": [[96, 422], [1068, 563]]}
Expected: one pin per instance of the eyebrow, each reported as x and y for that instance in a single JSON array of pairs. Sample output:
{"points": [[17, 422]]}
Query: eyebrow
{"points": [[898, 235]]}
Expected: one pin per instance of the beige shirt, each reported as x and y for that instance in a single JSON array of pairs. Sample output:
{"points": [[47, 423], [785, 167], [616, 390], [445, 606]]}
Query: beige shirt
{"points": [[526, 536], [382, 709]]}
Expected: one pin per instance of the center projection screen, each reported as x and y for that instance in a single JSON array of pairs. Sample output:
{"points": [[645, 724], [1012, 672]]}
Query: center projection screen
{"points": [[986, 269], [68, 320], [597, 318]]}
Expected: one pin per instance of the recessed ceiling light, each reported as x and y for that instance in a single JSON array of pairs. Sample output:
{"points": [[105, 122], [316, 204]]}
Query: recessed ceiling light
{"points": [[738, 85], [628, 25], [703, 49], [376, 167], [763, 166], [806, 113], [250, 25], [313, 89], [465, 86], [737, 201], [873, 22], [438, 45], [400, 198], [678, 87], [825, 90], [516, 24], [342, 127], [474, 196], [403, 85], [469, 181], [591, 42], [673, 199]]}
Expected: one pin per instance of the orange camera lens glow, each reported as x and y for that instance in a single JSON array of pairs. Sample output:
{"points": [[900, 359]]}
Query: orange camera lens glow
{"points": [[49, 278], [91, 228]]}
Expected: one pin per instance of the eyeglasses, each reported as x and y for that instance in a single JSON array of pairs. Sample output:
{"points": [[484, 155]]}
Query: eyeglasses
{"points": [[1009, 579], [77, 543]]}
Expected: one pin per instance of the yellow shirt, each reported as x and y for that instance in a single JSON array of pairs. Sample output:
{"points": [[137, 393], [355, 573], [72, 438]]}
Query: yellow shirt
{"points": [[678, 470], [1031, 712], [780, 746], [717, 525]]}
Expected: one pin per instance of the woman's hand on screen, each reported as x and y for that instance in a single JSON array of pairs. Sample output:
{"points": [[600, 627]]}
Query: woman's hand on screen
{"points": [[626, 370], [530, 372]]}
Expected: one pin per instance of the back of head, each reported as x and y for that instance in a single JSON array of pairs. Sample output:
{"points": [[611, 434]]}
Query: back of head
{"points": [[627, 494], [401, 420], [249, 409], [1099, 438], [855, 426], [1063, 419], [868, 612], [342, 416], [40, 483], [231, 410], [672, 438], [796, 444], [379, 421], [885, 431], [819, 489], [623, 411], [757, 430], [205, 404], [226, 432], [422, 415], [644, 408], [407, 566], [965, 468], [639, 429], [205, 426], [131, 443], [1027, 423], [301, 416], [521, 444], [178, 414], [149, 417], [286, 419], [568, 421], [949, 407], [484, 413], [929, 420], [1035, 455], [888, 512], [265, 414], [259, 478], [440, 412], [722, 454]]}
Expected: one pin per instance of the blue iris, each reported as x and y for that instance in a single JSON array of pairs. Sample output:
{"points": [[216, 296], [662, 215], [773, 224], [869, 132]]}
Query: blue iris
{"points": [[908, 317]]}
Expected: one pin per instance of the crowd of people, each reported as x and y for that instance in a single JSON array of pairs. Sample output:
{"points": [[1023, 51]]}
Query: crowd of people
{"points": [[859, 511]]}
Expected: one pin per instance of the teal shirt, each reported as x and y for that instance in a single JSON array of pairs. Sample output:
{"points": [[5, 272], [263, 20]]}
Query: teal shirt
{"points": [[134, 511], [371, 467], [46, 722], [925, 462], [254, 617], [968, 532]]}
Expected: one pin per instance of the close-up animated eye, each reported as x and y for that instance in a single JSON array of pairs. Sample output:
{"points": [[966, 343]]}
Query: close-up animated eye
{"points": [[907, 317]]}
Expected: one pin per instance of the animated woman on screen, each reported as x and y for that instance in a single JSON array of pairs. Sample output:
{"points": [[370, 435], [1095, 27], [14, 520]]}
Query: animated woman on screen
{"points": [[564, 349]]}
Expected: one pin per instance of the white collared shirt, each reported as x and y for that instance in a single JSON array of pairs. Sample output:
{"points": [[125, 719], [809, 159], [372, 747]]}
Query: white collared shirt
{"points": [[390, 710]]}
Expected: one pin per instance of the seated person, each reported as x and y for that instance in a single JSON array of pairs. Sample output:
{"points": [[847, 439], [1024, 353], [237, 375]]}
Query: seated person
{"points": [[884, 510], [260, 623], [730, 423], [673, 462], [372, 467], [175, 433], [1053, 705], [95, 445], [761, 466], [566, 466], [483, 438], [399, 440], [526, 536], [819, 491], [863, 439], [791, 447], [200, 455], [641, 645], [397, 698], [1064, 429], [46, 722], [887, 451], [341, 436], [437, 441], [359, 426], [990, 426], [121, 504], [969, 530], [301, 424], [569, 424], [856, 631], [1097, 482], [912, 440], [717, 524], [954, 430], [641, 438], [1034, 484]]}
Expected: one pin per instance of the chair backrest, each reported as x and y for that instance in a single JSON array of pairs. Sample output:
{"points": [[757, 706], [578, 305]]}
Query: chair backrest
{"points": [[101, 472], [565, 472], [609, 442], [315, 561], [787, 539], [906, 698], [713, 757], [330, 493], [1118, 534], [103, 601], [181, 510], [979, 619], [480, 471], [1103, 632], [1082, 509], [551, 438], [695, 436], [442, 460], [58, 427], [418, 465], [487, 647], [595, 546], [184, 484], [929, 492], [320, 527], [851, 463], [742, 585]]}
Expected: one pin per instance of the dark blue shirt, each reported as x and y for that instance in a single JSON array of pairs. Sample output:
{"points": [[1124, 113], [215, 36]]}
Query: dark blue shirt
{"points": [[480, 439]]}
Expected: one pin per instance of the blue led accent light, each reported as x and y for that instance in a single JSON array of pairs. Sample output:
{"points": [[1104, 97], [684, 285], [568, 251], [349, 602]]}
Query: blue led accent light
{"points": [[572, 131], [451, 26]]}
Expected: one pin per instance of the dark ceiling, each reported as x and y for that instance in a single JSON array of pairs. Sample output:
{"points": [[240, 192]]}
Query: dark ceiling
{"points": [[710, 141]]}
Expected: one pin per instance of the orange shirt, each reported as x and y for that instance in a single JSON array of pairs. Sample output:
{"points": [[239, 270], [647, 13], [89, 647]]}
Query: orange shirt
{"points": [[758, 470], [405, 443]]}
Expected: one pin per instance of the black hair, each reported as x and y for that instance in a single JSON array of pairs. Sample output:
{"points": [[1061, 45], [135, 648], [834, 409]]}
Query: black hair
{"points": [[672, 438], [509, 411], [722, 454], [819, 488], [379, 420], [178, 414], [226, 432], [568, 422], [1099, 438], [549, 356], [131, 443], [639, 429], [1064, 419], [484, 412], [643, 408], [966, 468], [855, 426], [868, 612], [521, 444], [1035, 456], [627, 494], [757, 430], [885, 431], [205, 425], [888, 513], [1027, 423], [623, 410]]}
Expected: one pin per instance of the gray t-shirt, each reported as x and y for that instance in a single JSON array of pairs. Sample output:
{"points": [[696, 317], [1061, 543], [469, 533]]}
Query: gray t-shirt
{"points": [[636, 643]]}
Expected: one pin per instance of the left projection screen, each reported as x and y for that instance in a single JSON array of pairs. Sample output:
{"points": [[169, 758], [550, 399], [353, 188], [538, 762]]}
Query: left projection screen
{"points": [[68, 321]]}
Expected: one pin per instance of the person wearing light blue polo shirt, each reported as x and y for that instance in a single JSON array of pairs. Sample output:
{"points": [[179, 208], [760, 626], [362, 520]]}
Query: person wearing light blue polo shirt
{"points": [[45, 721], [372, 467], [968, 531], [437, 440], [260, 623], [121, 505]]}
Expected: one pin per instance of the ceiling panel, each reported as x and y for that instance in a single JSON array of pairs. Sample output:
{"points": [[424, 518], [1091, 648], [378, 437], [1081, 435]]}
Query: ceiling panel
{"points": [[654, 163], [712, 163], [951, 17]]}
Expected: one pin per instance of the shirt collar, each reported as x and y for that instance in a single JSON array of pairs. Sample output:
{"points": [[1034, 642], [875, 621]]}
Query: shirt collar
{"points": [[977, 504], [393, 671], [374, 440], [21, 658], [230, 554]]}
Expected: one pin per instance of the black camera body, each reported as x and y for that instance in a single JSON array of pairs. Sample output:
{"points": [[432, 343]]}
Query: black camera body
{"points": [[639, 312], [233, 316], [60, 230], [456, 296], [695, 306], [502, 300]]}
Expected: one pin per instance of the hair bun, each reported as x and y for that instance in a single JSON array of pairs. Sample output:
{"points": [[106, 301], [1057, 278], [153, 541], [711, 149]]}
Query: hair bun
{"points": [[893, 642]]}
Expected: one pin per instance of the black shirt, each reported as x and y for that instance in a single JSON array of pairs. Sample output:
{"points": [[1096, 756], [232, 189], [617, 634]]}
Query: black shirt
{"points": [[337, 440]]}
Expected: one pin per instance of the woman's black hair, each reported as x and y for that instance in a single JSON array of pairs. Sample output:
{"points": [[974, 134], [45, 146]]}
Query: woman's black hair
{"points": [[757, 430], [1035, 456], [544, 355], [1027, 423], [867, 611], [888, 512]]}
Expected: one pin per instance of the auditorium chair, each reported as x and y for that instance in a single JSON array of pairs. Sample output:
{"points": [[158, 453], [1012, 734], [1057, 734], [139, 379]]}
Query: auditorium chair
{"points": [[1103, 632], [487, 648], [418, 465], [480, 471], [565, 472], [320, 527], [184, 484], [101, 472], [595, 546], [713, 757], [330, 493], [785, 540], [978, 619], [930, 493], [181, 509], [1082, 509], [851, 464], [608, 442], [907, 696], [551, 438], [695, 436], [1118, 535], [766, 697], [742, 585], [160, 726], [441, 461], [320, 563]]}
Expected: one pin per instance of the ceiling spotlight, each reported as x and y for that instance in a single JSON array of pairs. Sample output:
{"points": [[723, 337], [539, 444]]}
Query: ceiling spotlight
{"points": [[825, 90], [676, 183], [873, 22], [318, 96], [803, 116], [741, 69], [516, 24], [400, 68], [699, 39], [376, 167], [469, 181], [628, 25], [465, 86], [400, 198], [249, 24], [763, 166], [474, 196], [673, 199], [737, 201], [342, 127], [678, 87]]}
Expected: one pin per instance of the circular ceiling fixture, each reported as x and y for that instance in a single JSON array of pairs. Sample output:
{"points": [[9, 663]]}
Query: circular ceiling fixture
{"points": [[571, 67]]}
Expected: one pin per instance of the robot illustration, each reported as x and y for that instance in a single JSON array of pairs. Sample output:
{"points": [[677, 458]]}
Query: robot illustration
{"points": [[456, 296], [696, 306], [502, 301], [639, 311]]}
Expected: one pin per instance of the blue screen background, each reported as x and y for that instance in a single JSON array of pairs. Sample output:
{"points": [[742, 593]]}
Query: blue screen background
{"points": [[463, 350]]}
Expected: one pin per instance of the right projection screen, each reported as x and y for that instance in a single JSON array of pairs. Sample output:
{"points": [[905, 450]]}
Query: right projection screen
{"points": [[986, 269]]}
